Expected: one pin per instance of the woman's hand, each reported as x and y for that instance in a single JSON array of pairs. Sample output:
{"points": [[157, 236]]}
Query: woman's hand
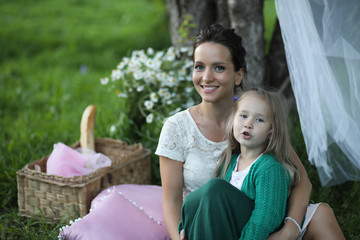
{"points": [[287, 232]]}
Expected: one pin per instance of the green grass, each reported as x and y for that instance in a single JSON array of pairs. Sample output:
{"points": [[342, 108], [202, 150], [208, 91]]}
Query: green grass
{"points": [[43, 92]]}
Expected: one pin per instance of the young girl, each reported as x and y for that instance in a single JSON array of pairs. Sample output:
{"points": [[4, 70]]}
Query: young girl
{"points": [[258, 162]]}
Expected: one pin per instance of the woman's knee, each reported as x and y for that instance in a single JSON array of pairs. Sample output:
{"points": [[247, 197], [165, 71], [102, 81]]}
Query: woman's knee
{"points": [[323, 213], [323, 224], [207, 192], [214, 185]]}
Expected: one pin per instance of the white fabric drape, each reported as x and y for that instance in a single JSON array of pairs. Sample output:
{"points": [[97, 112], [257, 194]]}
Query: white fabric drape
{"points": [[322, 45]]}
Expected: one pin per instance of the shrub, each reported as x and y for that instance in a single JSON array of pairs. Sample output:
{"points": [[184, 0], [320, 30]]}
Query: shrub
{"points": [[153, 85]]}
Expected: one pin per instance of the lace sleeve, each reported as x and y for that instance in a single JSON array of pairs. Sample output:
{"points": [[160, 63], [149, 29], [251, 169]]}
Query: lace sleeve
{"points": [[171, 141]]}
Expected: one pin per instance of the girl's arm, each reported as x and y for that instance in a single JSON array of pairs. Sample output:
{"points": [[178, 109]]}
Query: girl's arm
{"points": [[172, 182], [297, 203], [268, 185]]}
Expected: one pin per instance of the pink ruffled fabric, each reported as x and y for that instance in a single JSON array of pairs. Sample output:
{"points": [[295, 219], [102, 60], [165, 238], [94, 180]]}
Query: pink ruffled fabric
{"points": [[122, 212], [67, 162]]}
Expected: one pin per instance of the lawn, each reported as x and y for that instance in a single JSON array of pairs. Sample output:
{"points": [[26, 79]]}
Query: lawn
{"points": [[52, 56]]}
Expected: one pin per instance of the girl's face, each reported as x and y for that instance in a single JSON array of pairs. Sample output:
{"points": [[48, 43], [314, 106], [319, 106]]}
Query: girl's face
{"points": [[214, 77], [251, 124]]}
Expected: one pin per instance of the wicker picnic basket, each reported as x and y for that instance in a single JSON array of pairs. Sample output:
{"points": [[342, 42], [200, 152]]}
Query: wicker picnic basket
{"points": [[56, 197]]}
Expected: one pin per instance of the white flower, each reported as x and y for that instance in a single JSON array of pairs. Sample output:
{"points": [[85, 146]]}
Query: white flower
{"points": [[157, 64], [104, 80], [149, 118], [161, 76], [167, 96], [175, 111], [121, 65], [116, 74], [150, 51], [149, 76], [188, 89], [170, 54], [134, 64], [188, 64], [143, 58], [138, 75], [163, 91], [182, 71], [159, 54], [147, 79], [187, 50], [154, 97], [170, 81], [137, 53], [148, 104], [112, 129], [140, 88], [120, 94], [125, 60], [153, 64]]}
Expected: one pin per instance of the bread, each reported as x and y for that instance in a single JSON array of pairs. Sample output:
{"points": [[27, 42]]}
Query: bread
{"points": [[87, 138]]}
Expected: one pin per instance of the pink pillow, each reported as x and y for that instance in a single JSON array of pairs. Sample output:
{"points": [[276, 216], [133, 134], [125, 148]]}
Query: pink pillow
{"points": [[122, 212]]}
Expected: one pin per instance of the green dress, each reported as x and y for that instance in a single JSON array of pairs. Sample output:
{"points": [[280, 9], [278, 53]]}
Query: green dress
{"points": [[218, 210]]}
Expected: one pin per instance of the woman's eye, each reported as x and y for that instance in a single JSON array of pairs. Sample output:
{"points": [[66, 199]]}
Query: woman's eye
{"points": [[198, 67], [219, 68]]}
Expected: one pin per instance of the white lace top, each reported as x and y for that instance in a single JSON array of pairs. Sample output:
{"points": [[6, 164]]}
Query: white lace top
{"points": [[181, 140]]}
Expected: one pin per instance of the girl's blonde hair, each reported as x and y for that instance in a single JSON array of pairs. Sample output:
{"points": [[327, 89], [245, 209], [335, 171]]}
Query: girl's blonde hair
{"points": [[279, 140]]}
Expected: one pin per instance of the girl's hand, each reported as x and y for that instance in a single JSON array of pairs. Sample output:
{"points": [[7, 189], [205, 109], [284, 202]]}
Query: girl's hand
{"points": [[182, 235]]}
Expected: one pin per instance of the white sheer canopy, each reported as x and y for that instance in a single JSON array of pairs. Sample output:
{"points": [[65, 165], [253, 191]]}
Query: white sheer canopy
{"points": [[322, 45]]}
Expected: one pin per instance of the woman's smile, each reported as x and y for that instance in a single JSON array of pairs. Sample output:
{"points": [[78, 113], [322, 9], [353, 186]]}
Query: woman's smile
{"points": [[209, 89]]}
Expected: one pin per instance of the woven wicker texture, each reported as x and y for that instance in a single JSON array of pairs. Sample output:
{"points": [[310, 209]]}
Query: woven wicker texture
{"points": [[56, 197]]}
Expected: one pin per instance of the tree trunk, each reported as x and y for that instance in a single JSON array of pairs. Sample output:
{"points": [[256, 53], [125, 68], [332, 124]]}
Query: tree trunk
{"points": [[277, 67], [244, 16], [277, 70], [204, 13]]}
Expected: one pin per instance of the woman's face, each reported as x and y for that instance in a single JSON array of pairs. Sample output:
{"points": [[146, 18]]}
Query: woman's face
{"points": [[214, 77]]}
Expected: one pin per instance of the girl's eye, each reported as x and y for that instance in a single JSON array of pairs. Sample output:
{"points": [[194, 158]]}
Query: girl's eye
{"points": [[219, 68], [259, 120], [243, 116]]}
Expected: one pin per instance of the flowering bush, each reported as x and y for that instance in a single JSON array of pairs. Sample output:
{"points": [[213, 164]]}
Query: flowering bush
{"points": [[154, 86]]}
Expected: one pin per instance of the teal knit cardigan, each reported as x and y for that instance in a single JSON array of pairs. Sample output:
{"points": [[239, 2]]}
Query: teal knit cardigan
{"points": [[267, 183]]}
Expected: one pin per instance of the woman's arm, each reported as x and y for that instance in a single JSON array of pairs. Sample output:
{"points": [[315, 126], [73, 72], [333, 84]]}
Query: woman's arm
{"points": [[297, 203], [172, 182]]}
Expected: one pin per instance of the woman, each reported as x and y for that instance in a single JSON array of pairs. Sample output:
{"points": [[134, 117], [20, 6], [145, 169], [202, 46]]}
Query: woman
{"points": [[192, 141]]}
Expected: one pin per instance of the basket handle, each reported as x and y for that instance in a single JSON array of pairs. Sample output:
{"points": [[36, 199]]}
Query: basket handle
{"points": [[87, 125]]}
